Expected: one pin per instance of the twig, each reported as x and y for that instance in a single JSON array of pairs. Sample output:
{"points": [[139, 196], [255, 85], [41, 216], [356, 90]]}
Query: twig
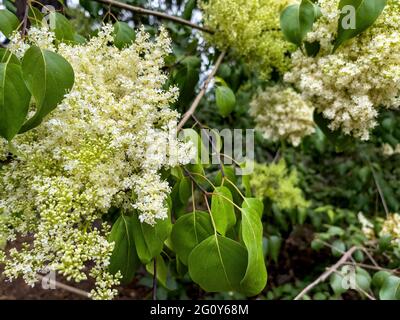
{"points": [[202, 92], [158, 14], [346, 256], [155, 280], [65, 287], [385, 207]]}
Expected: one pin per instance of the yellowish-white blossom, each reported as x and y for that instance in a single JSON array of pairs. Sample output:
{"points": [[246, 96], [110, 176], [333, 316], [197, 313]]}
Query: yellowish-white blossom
{"points": [[280, 113], [102, 147], [366, 226], [391, 227], [251, 29], [351, 85]]}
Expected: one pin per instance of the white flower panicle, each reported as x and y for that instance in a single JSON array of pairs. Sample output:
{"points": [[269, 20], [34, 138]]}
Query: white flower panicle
{"points": [[280, 113], [351, 85], [102, 147]]}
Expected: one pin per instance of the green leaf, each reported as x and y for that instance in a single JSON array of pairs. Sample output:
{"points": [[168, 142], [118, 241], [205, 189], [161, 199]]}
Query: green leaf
{"points": [[187, 77], [8, 22], [149, 240], [124, 257], [189, 7], [338, 248], [7, 56], [390, 289], [35, 16], [61, 27], [274, 247], [363, 279], [254, 203], [14, 100], [225, 99], [188, 231], [297, 20], [48, 77], [255, 278], [367, 11], [336, 282], [124, 35], [222, 209], [218, 264], [379, 278], [340, 140], [185, 189]]}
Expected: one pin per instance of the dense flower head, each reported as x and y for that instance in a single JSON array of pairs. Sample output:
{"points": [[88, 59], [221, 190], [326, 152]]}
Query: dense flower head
{"points": [[251, 28], [281, 113], [278, 183], [103, 147], [352, 84]]}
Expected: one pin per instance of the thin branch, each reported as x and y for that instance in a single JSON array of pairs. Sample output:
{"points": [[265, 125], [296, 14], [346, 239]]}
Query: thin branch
{"points": [[155, 280], [385, 207], [202, 92], [65, 287], [346, 256], [158, 14]]}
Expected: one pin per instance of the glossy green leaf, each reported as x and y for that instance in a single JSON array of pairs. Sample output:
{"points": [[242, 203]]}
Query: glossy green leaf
{"points": [[297, 20], [14, 100], [48, 77], [225, 99], [390, 289], [124, 257], [185, 189], [149, 240], [188, 231], [62, 28], [255, 278], [8, 22], [218, 264], [222, 209], [366, 13], [254, 203], [7, 56], [123, 34]]}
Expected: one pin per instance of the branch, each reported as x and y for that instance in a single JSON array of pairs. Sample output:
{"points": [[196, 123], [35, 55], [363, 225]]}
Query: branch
{"points": [[346, 256], [65, 287], [158, 14], [202, 92]]}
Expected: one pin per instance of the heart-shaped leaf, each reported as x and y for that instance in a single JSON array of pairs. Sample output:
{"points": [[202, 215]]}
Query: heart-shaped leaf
{"points": [[218, 264], [188, 231]]}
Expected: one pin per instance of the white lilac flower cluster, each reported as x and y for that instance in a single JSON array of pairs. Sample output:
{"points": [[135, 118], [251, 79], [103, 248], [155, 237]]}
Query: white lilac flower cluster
{"points": [[103, 147], [281, 113], [351, 85]]}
